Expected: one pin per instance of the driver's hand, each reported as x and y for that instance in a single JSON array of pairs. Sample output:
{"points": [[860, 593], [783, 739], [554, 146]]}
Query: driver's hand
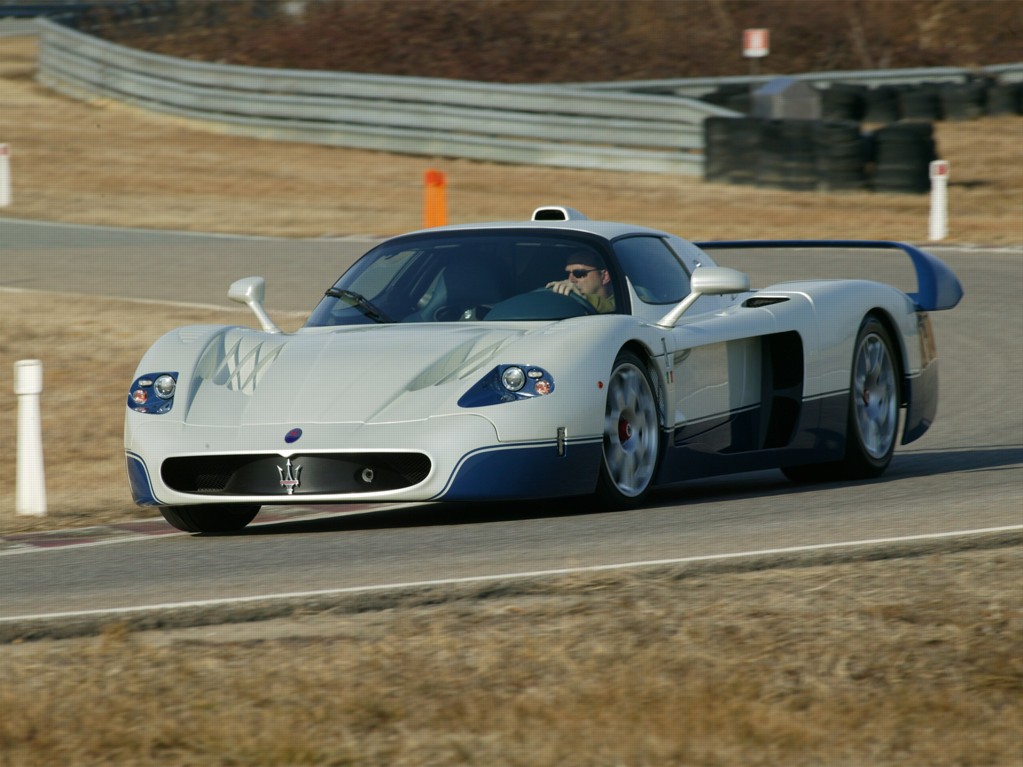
{"points": [[564, 287]]}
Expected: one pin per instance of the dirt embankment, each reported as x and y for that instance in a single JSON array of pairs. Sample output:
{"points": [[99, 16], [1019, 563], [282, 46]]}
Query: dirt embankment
{"points": [[580, 40]]}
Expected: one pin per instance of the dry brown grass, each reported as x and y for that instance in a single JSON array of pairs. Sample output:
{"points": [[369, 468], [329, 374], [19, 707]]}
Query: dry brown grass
{"points": [[912, 662]]}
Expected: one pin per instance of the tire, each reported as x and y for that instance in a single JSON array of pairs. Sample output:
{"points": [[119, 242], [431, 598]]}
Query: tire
{"points": [[873, 403], [632, 435], [903, 156], [209, 518], [872, 422]]}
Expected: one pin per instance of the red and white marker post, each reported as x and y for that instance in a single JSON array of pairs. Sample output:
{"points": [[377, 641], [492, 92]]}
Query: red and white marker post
{"points": [[756, 44], [938, 229]]}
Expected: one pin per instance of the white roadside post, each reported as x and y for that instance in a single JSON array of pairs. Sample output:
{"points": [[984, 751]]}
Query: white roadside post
{"points": [[5, 175], [938, 229], [31, 480]]}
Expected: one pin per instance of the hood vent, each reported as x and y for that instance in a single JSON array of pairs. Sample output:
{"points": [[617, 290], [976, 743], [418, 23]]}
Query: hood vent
{"points": [[238, 360], [759, 301]]}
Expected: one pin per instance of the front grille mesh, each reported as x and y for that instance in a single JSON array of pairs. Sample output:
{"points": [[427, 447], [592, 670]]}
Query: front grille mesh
{"points": [[315, 473]]}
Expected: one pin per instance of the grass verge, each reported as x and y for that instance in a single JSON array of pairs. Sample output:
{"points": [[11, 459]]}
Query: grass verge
{"points": [[909, 661]]}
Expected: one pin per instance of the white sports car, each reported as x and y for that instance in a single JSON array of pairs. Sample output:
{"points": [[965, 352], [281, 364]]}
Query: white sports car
{"points": [[552, 357]]}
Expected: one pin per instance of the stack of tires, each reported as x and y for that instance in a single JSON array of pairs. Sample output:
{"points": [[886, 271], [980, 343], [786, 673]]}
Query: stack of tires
{"points": [[921, 102], [886, 104], [844, 101], [786, 158], [732, 149], [1005, 99], [840, 155], [882, 105], [964, 101], [827, 155], [902, 154]]}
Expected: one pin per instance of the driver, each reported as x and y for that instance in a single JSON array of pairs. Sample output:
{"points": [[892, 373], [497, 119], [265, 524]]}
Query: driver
{"points": [[587, 276]]}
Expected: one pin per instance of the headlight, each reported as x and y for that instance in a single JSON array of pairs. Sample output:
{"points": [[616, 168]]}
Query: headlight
{"points": [[153, 393], [164, 386], [508, 383], [513, 378]]}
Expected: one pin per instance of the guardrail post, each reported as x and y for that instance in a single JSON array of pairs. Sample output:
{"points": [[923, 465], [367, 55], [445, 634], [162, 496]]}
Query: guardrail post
{"points": [[31, 480], [5, 175]]}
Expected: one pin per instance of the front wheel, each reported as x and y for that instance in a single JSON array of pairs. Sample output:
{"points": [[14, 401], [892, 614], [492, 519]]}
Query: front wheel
{"points": [[632, 435], [210, 518]]}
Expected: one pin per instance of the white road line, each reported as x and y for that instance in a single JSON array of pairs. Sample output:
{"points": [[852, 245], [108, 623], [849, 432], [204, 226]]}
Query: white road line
{"points": [[505, 576]]}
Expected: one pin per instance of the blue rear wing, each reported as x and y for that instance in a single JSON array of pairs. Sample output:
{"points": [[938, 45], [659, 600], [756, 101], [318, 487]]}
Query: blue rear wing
{"points": [[937, 285]]}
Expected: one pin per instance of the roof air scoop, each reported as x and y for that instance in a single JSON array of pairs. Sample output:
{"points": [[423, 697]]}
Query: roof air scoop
{"points": [[558, 213]]}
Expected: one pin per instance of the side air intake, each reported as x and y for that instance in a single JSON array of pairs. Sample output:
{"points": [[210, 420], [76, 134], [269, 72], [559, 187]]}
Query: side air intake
{"points": [[557, 213]]}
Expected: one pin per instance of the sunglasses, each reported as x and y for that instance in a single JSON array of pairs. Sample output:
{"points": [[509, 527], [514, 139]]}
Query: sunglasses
{"points": [[580, 273]]}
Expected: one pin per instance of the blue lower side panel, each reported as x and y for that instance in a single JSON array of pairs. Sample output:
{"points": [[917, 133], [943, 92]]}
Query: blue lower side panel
{"points": [[526, 472], [740, 442], [138, 480]]}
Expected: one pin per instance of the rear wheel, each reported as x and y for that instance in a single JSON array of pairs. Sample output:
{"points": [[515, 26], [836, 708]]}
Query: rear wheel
{"points": [[873, 417], [874, 405], [632, 435], [210, 518]]}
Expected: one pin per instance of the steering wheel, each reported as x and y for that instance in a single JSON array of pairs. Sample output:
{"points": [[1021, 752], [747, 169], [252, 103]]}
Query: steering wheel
{"points": [[579, 298]]}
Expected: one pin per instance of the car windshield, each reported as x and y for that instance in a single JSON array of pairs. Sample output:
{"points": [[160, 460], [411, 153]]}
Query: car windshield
{"points": [[470, 276]]}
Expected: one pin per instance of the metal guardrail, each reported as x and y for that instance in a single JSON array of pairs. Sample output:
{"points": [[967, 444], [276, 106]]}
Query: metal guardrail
{"points": [[699, 86], [17, 27], [649, 125], [524, 124]]}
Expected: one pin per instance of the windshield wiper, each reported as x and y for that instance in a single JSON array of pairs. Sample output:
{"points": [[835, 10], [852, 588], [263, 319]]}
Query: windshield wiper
{"points": [[362, 303]]}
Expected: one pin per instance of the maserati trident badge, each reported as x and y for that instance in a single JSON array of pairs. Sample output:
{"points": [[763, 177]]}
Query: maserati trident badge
{"points": [[289, 479]]}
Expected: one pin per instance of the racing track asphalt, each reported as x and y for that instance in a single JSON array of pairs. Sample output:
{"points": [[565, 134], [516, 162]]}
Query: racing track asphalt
{"points": [[965, 474]]}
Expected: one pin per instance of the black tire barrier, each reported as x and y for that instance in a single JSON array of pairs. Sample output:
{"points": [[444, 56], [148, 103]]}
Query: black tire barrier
{"points": [[717, 148], [844, 101], [826, 155], [786, 159], [840, 155], [882, 105], [922, 102], [1005, 99], [731, 146], [903, 156], [966, 101]]}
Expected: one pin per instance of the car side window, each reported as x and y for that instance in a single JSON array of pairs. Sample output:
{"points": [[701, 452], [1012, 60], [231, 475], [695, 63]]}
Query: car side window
{"points": [[656, 273]]}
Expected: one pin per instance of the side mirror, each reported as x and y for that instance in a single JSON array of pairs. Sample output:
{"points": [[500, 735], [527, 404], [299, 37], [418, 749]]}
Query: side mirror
{"points": [[707, 281], [251, 291]]}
